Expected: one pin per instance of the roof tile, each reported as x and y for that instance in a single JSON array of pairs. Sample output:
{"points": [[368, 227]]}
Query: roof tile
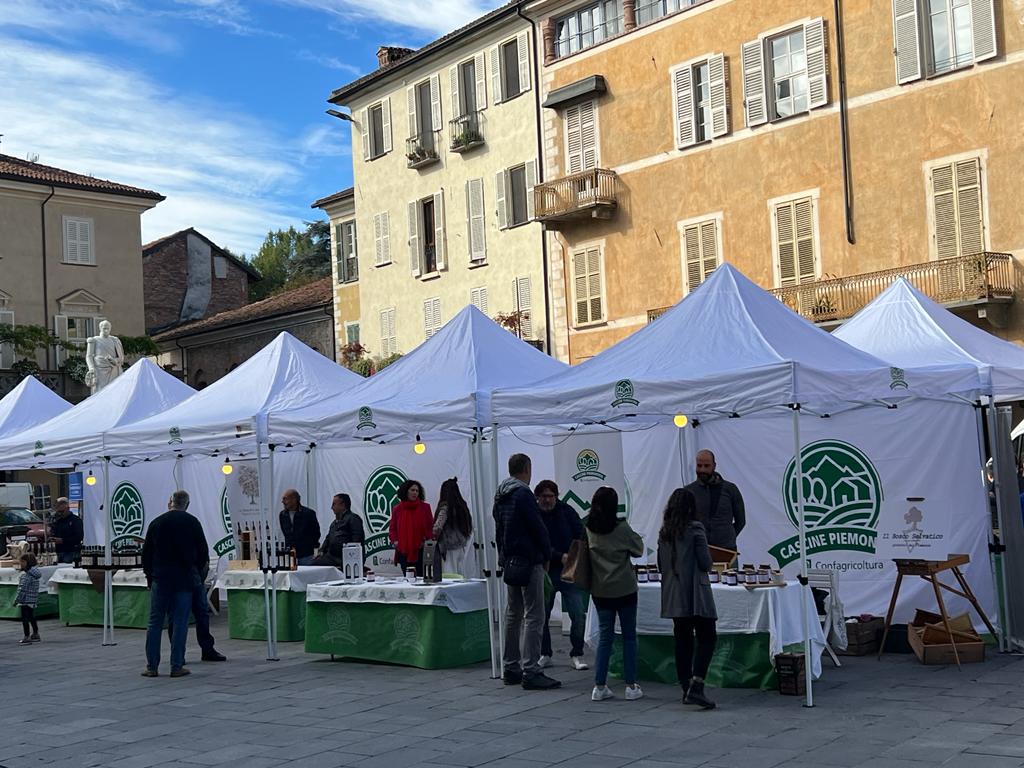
{"points": [[35, 173]]}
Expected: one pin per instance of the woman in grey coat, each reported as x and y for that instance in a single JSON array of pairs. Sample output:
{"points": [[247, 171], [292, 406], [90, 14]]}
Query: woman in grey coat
{"points": [[684, 561]]}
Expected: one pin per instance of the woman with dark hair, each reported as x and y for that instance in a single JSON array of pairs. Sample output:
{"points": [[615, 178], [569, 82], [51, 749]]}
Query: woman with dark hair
{"points": [[613, 587], [453, 530], [411, 524], [684, 561]]}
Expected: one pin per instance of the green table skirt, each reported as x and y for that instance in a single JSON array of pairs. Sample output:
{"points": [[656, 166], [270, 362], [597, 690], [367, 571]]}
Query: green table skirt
{"points": [[740, 661], [45, 608], [81, 604], [424, 636], [247, 617]]}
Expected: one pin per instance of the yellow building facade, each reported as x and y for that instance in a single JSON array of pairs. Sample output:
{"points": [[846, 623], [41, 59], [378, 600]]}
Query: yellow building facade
{"points": [[822, 156], [341, 210], [444, 164]]}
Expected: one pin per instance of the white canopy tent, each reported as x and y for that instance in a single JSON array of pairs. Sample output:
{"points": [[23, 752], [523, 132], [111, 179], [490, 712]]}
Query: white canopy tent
{"points": [[27, 405]]}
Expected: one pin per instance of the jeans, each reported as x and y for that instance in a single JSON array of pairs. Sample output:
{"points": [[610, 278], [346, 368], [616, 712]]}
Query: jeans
{"points": [[165, 603], [28, 616], [308, 560], [524, 615], [607, 608], [691, 663], [572, 604], [201, 610]]}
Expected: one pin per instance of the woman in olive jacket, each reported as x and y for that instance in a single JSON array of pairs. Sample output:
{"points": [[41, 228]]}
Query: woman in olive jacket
{"points": [[684, 561], [613, 588]]}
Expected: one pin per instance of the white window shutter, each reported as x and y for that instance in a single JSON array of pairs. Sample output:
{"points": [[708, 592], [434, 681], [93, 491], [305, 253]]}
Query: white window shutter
{"points": [[385, 233], [944, 210], [435, 102], [588, 135], [523, 44], [785, 244], [496, 94], [385, 118], [524, 303], [481, 81], [754, 103], [6, 350], [385, 344], [364, 130], [573, 140], [717, 79], [906, 34], [817, 62], [476, 220], [682, 105], [806, 259], [478, 298], [85, 244], [531, 182], [415, 224], [392, 332], [410, 94], [594, 285], [983, 29], [60, 330], [691, 256], [968, 207], [428, 319], [708, 248], [439, 231], [453, 80], [500, 196], [579, 276], [72, 249], [378, 245]]}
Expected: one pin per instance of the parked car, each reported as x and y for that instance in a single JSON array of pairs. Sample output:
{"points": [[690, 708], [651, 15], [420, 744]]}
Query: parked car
{"points": [[20, 521]]}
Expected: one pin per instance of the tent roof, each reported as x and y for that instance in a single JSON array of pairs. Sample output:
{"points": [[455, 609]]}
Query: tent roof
{"points": [[444, 383], [908, 329], [27, 405], [78, 434], [728, 347], [284, 374]]}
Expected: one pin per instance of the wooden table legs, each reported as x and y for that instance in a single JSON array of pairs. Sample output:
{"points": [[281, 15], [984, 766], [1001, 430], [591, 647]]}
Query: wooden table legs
{"points": [[892, 608]]}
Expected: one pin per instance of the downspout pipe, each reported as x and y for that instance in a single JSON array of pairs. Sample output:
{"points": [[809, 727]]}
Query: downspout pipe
{"points": [[540, 177], [46, 299], [844, 126]]}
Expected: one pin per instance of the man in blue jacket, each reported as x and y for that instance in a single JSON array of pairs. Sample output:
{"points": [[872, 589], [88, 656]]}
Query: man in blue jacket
{"points": [[524, 551]]}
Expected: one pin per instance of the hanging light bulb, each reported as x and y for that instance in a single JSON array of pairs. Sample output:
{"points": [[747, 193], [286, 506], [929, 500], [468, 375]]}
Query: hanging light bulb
{"points": [[226, 468], [91, 479], [420, 448], [680, 420]]}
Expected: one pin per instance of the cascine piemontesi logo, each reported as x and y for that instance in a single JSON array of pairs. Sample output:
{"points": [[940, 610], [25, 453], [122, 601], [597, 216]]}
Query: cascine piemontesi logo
{"points": [[365, 418], [587, 465], [174, 436], [898, 378], [842, 497], [380, 495], [38, 449], [624, 394], [127, 512], [227, 543]]}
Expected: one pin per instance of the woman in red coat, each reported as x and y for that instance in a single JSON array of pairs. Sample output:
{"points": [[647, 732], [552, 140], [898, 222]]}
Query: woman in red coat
{"points": [[412, 523]]}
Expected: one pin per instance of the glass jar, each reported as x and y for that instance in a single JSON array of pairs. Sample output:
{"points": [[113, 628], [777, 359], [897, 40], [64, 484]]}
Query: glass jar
{"points": [[715, 577]]}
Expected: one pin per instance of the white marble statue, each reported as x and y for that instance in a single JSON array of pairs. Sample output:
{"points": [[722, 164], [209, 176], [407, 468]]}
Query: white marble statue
{"points": [[104, 355]]}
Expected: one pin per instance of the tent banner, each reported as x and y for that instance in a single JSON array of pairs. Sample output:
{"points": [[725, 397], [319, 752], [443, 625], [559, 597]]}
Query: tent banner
{"points": [[584, 463]]}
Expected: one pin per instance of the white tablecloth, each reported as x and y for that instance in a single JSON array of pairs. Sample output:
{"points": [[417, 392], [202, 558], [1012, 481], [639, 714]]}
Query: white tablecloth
{"points": [[12, 575], [133, 578], [456, 596], [775, 610], [289, 581]]}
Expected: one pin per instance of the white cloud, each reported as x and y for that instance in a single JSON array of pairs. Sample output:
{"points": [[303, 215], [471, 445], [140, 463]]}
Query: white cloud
{"points": [[226, 173], [330, 62], [436, 17], [65, 19]]}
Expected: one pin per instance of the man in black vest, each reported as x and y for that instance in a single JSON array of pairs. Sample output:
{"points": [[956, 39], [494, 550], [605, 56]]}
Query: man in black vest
{"points": [[66, 532], [347, 528], [300, 527], [719, 503]]}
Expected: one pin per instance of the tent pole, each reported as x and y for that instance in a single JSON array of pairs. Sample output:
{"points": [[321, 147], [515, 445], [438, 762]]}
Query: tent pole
{"points": [[265, 562], [498, 582], [997, 481], [274, 546], [802, 528], [481, 542], [108, 575]]}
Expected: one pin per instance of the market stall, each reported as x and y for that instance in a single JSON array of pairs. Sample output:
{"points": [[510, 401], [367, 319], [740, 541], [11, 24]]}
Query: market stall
{"points": [[80, 597], [47, 605], [430, 626], [247, 603]]}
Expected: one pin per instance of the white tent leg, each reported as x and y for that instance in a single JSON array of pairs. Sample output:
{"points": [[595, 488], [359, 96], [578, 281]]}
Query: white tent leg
{"points": [[274, 546], [108, 576], [802, 527], [496, 478], [260, 545], [997, 481], [481, 544]]}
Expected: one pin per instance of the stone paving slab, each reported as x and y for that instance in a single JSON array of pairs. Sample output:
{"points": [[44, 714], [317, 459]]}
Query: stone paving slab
{"points": [[72, 702]]}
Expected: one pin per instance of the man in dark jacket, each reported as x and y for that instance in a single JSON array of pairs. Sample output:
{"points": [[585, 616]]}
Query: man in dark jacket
{"points": [[300, 527], [66, 532], [173, 557], [347, 528], [719, 503], [564, 526], [524, 548]]}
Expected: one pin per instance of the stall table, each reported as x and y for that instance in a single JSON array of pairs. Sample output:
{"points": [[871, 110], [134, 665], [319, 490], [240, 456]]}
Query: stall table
{"points": [[430, 626], [47, 605], [753, 626], [247, 617], [80, 598]]}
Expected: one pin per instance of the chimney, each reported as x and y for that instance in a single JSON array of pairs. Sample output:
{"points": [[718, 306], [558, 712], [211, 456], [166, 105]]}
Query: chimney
{"points": [[389, 54]]}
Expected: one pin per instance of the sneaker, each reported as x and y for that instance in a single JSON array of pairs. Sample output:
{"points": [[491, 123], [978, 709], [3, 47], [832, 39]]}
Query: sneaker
{"points": [[539, 682], [512, 677], [25, 641], [214, 656], [544, 661], [34, 637], [181, 672], [633, 692], [695, 695], [150, 672], [577, 662], [601, 692]]}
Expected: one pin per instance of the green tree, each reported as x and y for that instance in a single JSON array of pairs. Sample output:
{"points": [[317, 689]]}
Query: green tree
{"points": [[289, 258]]}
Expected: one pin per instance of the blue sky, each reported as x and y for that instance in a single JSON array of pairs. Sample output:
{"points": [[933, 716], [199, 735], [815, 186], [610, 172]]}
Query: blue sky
{"points": [[217, 104]]}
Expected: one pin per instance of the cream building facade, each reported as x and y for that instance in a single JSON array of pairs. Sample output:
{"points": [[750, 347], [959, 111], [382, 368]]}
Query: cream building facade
{"points": [[341, 210], [444, 164]]}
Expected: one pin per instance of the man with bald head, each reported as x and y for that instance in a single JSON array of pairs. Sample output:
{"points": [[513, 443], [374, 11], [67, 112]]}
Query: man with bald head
{"points": [[719, 503], [299, 526]]}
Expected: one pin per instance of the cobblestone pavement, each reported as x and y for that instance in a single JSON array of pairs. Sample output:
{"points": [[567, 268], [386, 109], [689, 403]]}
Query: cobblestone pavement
{"points": [[70, 702]]}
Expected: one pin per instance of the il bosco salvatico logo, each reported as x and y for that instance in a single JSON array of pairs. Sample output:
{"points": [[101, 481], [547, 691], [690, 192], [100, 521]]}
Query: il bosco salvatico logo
{"points": [[127, 512], [624, 393], [365, 416], [842, 497], [587, 465]]}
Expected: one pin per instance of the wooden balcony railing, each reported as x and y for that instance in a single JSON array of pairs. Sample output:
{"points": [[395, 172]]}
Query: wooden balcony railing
{"points": [[588, 194]]}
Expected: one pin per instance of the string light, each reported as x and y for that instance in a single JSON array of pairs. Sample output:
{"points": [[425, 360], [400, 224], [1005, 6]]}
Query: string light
{"points": [[420, 448], [226, 467], [680, 420], [91, 479]]}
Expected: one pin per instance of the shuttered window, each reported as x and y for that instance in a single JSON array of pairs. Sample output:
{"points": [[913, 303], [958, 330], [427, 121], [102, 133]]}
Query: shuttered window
{"points": [[699, 102], [431, 317], [375, 128], [785, 74], [388, 337], [524, 306], [6, 350], [475, 222], [957, 208], [701, 243], [581, 137], [587, 291], [352, 333], [382, 238], [795, 224], [348, 263], [478, 298], [510, 68], [935, 36], [78, 241]]}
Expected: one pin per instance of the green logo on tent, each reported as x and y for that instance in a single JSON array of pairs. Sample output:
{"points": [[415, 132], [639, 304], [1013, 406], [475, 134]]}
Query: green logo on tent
{"points": [[227, 544], [175, 435], [38, 449], [380, 495], [127, 512], [899, 379], [624, 393], [842, 496], [366, 418], [587, 463]]}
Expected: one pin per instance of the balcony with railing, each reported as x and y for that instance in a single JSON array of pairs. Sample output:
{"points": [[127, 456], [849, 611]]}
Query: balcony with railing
{"points": [[466, 132], [421, 150], [584, 195]]}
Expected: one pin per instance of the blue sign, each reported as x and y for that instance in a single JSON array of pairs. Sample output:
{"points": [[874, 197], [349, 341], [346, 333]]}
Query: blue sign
{"points": [[75, 490]]}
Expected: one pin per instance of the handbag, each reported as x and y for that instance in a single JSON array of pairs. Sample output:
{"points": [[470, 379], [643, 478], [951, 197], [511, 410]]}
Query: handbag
{"points": [[517, 571], [577, 564]]}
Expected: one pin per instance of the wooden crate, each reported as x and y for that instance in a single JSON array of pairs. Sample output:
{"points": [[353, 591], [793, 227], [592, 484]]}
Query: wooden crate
{"points": [[863, 637], [791, 671], [929, 626]]}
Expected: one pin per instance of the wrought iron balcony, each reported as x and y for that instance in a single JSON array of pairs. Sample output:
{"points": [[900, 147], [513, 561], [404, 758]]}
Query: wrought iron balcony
{"points": [[422, 150], [466, 132], [584, 195]]}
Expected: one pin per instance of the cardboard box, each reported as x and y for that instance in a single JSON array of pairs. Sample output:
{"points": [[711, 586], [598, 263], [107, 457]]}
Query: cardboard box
{"points": [[928, 626]]}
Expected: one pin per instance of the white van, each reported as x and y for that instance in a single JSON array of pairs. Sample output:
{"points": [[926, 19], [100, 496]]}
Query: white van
{"points": [[16, 495]]}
